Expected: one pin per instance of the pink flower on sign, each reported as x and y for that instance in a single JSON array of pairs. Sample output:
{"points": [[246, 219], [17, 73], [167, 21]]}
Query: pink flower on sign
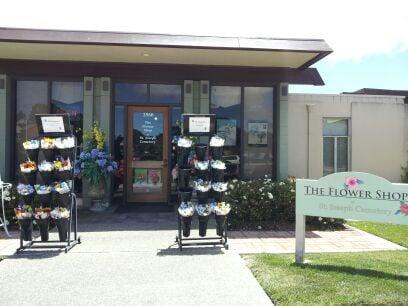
{"points": [[352, 182], [404, 208]]}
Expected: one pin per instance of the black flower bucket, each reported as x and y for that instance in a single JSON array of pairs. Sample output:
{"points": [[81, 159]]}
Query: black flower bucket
{"points": [[49, 154], [203, 174], [182, 156], [184, 177], [62, 227], [63, 175], [220, 220], [45, 199], [218, 195], [47, 177], [43, 225], [185, 194], [201, 151], [202, 197], [217, 175], [26, 229], [63, 199], [28, 198], [32, 154], [216, 152], [202, 225], [186, 224], [30, 177], [67, 153]]}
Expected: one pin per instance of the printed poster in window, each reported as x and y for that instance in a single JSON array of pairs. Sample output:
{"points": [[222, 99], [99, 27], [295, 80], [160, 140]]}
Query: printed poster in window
{"points": [[154, 178], [258, 133], [227, 129]]}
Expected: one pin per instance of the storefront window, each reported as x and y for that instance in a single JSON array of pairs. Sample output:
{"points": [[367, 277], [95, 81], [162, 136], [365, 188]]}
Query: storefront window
{"points": [[258, 132], [130, 93], [335, 145], [165, 94]]}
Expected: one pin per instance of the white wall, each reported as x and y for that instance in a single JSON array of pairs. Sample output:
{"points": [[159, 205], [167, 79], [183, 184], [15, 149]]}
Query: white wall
{"points": [[378, 133]]}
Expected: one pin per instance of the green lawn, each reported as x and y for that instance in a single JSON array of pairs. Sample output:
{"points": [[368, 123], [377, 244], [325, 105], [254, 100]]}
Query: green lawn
{"points": [[393, 232], [349, 278]]}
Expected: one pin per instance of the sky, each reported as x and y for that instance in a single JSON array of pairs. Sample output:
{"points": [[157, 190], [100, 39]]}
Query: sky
{"points": [[369, 38]]}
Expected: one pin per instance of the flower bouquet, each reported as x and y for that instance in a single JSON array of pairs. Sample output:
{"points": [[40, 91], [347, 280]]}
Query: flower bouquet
{"points": [[186, 211], [203, 212], [65, 146], [183, 151], [26, 192], [29, 172], [201, 151], [61, 217], [184, 177], [46, 172], [202, 188], [63, 169], [221, 210], [24, 215], [44, 193], [32, 148], [47, 147], [218, 168], [63, 193], [42, 218], [201, 168], [216, 147], [219, 190]]}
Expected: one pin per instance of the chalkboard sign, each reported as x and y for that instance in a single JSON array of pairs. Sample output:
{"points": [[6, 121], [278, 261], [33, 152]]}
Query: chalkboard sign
{"points": [[198, 124]]}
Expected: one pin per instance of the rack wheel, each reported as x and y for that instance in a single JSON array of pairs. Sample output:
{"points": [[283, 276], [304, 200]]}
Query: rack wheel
{"points": [[226, 246], [66, 250], [176, 238], [79, 240]]}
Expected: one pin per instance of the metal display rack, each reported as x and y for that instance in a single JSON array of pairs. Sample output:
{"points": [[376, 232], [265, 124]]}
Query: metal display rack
{"points": [[72, 237], [3, 220], [199, 241]]}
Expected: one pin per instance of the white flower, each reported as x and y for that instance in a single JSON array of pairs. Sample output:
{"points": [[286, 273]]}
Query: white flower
{"points": [[216, 141], [270, 196], [281, 183], [184, 142], [244, 197], [320, 218], [292, 190], [259, 227]]}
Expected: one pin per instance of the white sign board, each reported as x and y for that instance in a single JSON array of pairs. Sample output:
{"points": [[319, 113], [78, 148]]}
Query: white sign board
{"points": [[199, 124], [53, 124]]}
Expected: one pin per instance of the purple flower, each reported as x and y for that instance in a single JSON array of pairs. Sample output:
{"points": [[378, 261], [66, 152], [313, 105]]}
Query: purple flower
{"points": [[101, 162], [94, 153], [109, 168], [77, 171], [114, 165], [82, 165], [101, 154]]}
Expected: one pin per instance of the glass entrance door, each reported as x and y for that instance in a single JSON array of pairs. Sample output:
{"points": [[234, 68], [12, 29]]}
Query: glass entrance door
{"points": [[147, 152]]}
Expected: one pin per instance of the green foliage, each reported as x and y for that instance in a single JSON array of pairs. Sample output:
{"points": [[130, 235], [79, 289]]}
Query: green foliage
{"points": [[265, 204]]}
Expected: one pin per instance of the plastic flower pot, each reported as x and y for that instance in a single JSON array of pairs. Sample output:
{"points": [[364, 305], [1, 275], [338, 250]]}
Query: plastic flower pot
{"points": [[63, 199], [67, 153], [184, 177], [217, 175], [182, 156], [186, 224], [43, 225], [201, 151], [32, 154], [203, 174], [63, 175], [47, 177], [45, 199], [216, 152], [202, 225], [30, 177], [220, 220], [26, 229], [49, 154], [218, 195], [185, 194], [62, 227], [28, 198], [202, 197]]}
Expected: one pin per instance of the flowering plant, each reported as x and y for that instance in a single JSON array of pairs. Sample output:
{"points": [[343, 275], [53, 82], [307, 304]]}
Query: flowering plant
{"points": [[28, 166], [24, 212], [59, 213], [62, 165], [42, 213]]}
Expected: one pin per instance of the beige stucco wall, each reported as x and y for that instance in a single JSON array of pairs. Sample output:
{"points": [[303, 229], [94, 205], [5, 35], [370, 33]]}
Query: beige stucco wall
{"points": [[378, 133]]}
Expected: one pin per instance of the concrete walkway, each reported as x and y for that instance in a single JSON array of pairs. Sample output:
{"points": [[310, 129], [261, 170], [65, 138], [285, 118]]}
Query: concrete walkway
{"points": [[128, 259]]}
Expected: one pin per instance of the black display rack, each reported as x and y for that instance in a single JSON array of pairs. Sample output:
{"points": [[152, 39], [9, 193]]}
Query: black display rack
{"points": [[181, 161], [72, 237]]}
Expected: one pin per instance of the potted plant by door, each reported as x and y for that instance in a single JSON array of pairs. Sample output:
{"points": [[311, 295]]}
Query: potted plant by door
{"points": [[95, 165], [24, 215]]}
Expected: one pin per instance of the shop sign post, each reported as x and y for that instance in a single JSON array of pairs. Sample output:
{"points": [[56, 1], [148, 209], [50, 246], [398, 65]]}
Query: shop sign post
{"points": [[349, 195]]}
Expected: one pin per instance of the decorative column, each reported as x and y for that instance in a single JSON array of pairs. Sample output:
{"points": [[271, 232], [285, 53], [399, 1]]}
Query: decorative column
{"points": [[5, 130], [282, 158]]}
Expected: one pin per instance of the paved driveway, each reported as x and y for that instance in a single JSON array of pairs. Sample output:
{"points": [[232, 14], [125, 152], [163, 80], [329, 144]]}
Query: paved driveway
{"points": [[129, 259]]}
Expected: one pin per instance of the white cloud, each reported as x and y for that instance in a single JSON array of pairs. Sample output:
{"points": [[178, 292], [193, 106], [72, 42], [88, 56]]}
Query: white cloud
{"points": [[354, 29]]}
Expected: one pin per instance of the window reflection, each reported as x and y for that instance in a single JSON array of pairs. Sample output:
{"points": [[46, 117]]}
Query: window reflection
{"points": [[130, 93], [165, 94]]}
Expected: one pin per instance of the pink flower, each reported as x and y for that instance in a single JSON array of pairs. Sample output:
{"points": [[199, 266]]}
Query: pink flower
{"points": [[404, 208], [351, 182]]}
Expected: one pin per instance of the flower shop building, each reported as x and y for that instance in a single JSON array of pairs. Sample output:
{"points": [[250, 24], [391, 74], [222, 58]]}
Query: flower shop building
{"points": [[138, 85]]}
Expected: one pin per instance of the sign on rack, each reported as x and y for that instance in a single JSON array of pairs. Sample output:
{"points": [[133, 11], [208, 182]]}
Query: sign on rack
{"points": [[198, 124], [53, 124], [349, 195]]}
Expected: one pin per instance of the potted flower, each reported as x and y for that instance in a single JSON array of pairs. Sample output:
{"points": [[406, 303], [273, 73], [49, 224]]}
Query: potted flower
{"points": [[32, 148], [24, 215], [44, 194], [201, 169], [63, 169], [26, 192], [202, 188], [183, 151], [203, 212], [65, 146], [42, 218], [61, 217], [63, 193], [216, 147], [46, 170], [29, 171], [48, 148], [219, 189], [186, 211], [221, 210]]}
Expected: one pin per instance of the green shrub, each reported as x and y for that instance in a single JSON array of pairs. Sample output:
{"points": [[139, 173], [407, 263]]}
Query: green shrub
{"points": [[267, 204]]}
